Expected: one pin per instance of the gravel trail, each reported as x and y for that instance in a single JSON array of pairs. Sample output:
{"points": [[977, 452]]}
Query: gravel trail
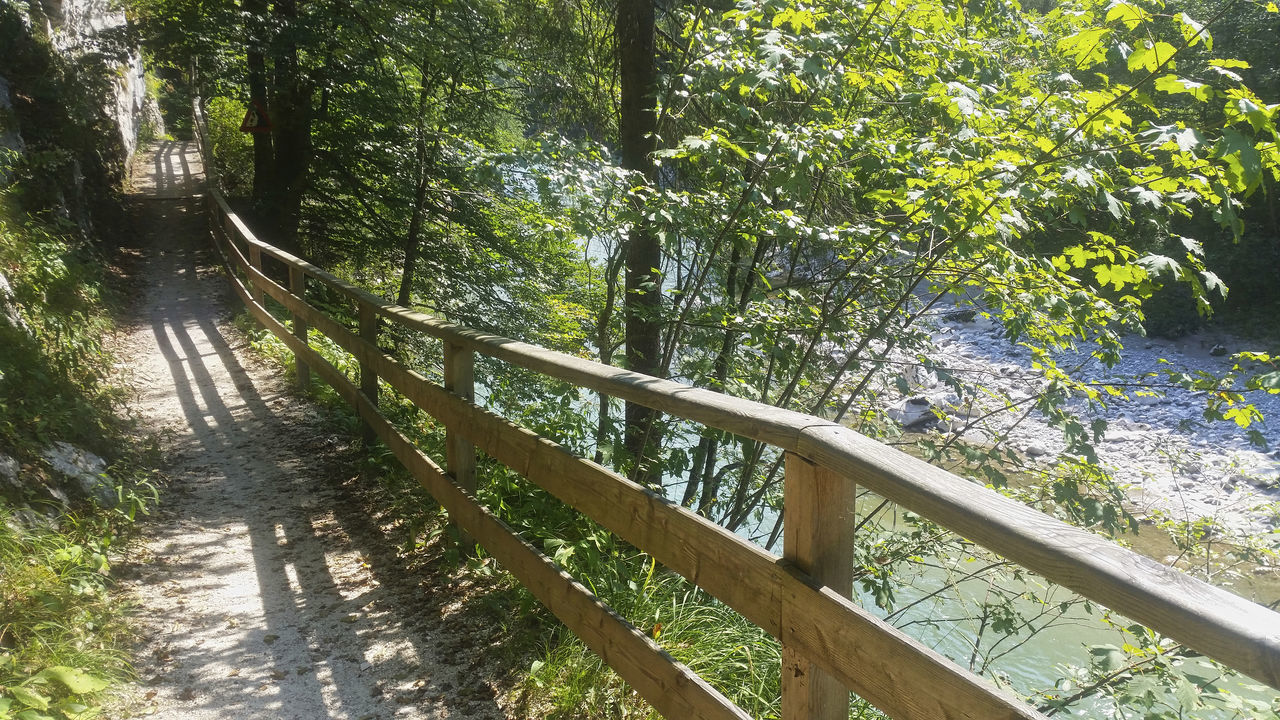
{"points": [[263, 589]]}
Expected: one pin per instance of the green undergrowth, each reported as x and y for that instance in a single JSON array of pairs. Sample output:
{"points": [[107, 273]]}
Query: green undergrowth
{"points": [[558, 676], [62, 633]]}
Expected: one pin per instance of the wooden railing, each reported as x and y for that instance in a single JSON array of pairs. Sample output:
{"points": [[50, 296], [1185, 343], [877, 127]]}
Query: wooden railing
{"points": [[830, 645]]}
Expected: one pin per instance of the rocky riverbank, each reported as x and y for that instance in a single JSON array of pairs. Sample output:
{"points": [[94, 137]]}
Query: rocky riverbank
{"points": [[1159, 445]]}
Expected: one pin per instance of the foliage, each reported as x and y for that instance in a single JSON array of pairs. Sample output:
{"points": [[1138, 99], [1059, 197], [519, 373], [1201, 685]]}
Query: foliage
{"points": [[831, 179], [52, 371], [62, 634], [74, 155], [232, 147]]}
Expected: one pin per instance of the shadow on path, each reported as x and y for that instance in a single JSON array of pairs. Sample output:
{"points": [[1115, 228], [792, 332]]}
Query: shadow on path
{"points": [[266, 597]]}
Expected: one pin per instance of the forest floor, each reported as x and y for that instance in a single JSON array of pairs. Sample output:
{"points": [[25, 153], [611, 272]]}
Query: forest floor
{"points": [[264, 586]]}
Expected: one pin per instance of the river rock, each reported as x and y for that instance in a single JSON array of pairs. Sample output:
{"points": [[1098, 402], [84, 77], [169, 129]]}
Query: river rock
{"points": [[920, 377], [1262, 481], [85, 470], [913, 411], [1036, 450], [1194, 467], [1218, 350]]}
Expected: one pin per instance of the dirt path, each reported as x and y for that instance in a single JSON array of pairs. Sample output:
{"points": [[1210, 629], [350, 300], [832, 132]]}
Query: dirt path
{"points": [[264, 590]]}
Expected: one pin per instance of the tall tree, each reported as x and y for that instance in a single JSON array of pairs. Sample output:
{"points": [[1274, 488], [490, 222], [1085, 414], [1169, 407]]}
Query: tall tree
{"points": [[642, 305], [255, 20], [293, 106]]}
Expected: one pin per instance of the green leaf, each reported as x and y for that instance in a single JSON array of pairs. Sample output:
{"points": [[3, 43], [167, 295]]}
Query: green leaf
{"points": [[74, 680], [724, 142], [29, 697], [1268, 381], [1087, 47], [1213, 283], [1187, 694], [1114, 206], [1160, 266], [1151, 55], [1193, 32], [1108, 657], [1244, 162], [1249, 110], [1131, 15], [1174, 85]]}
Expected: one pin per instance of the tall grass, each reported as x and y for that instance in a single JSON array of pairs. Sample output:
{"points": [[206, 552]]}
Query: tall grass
{"points": [[61, 631]]}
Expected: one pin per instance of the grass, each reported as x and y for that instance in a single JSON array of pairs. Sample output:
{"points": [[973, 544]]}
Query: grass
{"points": [[62, 633]]}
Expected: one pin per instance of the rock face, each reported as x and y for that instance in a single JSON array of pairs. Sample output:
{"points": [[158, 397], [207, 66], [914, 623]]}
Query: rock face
{"points": [[9, 468], [85, 472], [77, 26], [10, 138], [8, 309]]}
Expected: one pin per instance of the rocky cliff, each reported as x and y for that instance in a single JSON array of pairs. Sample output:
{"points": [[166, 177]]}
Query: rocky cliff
{"points": [[91, 36], [76, 27]]}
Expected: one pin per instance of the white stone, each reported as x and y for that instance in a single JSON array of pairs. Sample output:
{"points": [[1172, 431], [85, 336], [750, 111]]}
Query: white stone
{"points": [[912, 411], [85, 469], [9, 311], [73, 27], [1037, 450], [9, 469], [917, 376]]}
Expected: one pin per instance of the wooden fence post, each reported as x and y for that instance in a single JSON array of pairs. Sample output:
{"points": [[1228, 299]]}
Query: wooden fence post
{"points": [[298, 286], [818, 537], [460, 379], [255, 259], [369, 376]]}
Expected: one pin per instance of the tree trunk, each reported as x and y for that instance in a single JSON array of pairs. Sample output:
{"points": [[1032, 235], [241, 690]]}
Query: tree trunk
{"points": [[605, 345], [263, 157], [642, 304], [292, 128], [413, 238]]}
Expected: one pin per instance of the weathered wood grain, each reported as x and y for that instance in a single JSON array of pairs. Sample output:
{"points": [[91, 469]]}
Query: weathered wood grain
{"points": [[298, 286], [669, 686], [460, 379], [1215, 622], [818, 539]]}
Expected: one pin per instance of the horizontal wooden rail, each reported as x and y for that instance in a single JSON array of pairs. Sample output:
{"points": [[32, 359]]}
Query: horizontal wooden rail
{"points": [[1210, 620], [839, 635], [877, 661], [671, 687]]}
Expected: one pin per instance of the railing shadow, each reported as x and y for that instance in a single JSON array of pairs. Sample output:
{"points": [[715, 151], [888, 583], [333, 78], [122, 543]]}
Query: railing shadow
{"points": [[260, 472]]}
